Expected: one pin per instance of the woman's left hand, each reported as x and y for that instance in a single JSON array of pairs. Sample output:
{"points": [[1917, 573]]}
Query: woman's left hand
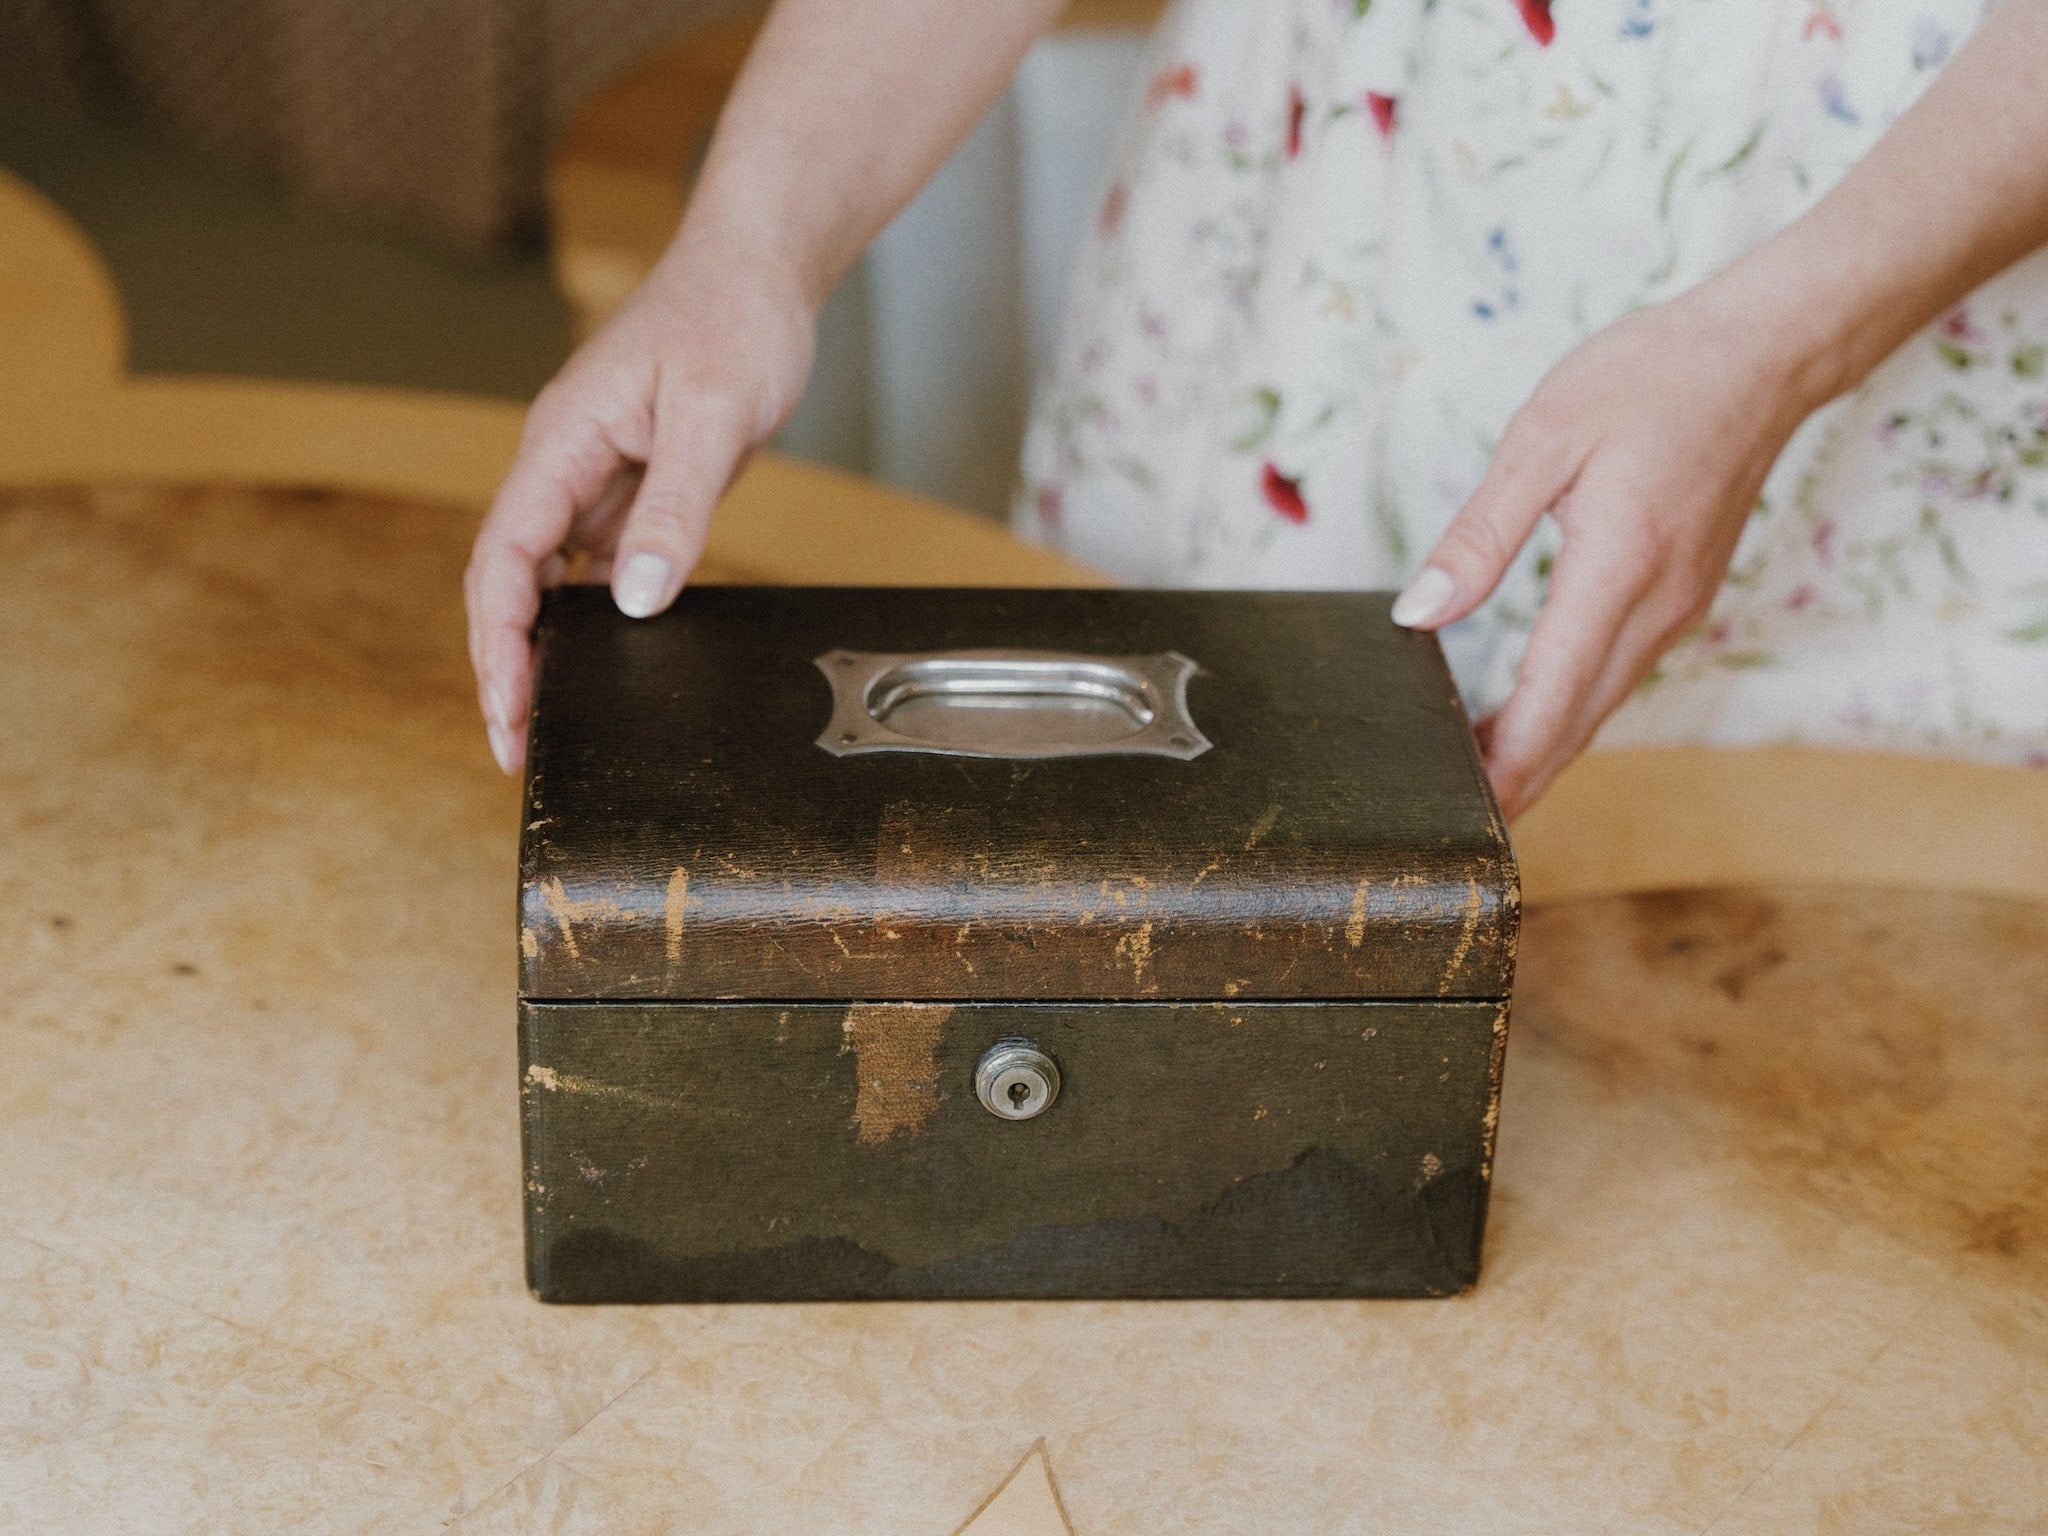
{"points": [[1648, 444]]}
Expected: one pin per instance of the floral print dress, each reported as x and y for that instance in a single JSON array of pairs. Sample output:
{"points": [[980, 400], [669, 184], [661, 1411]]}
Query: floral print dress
{"points": [[1345, 240]]}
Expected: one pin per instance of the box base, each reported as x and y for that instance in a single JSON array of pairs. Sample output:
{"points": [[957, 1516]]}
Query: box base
{"points": [[748, 1152]]}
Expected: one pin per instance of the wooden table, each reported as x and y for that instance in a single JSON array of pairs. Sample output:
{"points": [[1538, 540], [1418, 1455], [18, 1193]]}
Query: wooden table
{"points": [[1769, 1250]]}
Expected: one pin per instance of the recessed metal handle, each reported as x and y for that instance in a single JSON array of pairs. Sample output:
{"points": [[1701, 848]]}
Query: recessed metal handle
{"points": [[1010, 703]]}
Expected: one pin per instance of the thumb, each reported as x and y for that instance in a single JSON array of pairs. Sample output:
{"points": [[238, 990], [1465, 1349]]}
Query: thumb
{"points": [[697, 448], [1529, 471]]}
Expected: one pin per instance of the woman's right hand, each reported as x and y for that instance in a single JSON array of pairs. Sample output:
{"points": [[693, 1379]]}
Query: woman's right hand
{"points": [[628, 449], [837, 119]]}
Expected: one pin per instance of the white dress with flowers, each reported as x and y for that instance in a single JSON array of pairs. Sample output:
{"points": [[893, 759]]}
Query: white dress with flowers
{"points": [[1346, 239]]}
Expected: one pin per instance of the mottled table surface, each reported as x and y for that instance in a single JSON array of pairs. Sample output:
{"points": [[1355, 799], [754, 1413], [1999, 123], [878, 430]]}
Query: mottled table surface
{"points": [[1769, 1249]]}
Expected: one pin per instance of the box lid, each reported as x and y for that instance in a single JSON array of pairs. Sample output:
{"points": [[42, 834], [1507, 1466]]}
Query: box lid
{"points": [[689, 836]]}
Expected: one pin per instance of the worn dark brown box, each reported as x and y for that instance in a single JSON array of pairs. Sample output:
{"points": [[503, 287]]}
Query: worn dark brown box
{"points": [[1257, 958]]}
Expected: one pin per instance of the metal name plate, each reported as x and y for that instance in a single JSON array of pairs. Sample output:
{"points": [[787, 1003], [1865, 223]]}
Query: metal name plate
{"points": [[1011, 704]]}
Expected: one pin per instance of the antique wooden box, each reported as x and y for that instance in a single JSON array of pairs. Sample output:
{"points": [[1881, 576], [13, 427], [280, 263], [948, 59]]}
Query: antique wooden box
{"points": [[1005, 944]]}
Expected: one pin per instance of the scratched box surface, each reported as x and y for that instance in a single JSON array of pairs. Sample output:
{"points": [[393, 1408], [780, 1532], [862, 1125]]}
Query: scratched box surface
{"points": [[894, 943]]}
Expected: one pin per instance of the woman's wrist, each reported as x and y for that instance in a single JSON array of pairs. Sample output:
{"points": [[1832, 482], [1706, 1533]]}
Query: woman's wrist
{"points": [[1947, 197], [1747, 325], [751, 211], [1820, 324], [723, 238]]}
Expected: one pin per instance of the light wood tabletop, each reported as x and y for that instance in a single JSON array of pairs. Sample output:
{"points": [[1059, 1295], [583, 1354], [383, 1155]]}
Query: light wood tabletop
{"points": [[1769, 1248]]}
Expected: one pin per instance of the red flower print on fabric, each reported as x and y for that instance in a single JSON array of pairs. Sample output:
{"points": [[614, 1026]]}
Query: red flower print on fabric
{"points": [[1821, 23], [1381, 110], [1283, 495], [1536, 17], [1170, 83], [1297, 109], [1051, 508], [1111, 216]]}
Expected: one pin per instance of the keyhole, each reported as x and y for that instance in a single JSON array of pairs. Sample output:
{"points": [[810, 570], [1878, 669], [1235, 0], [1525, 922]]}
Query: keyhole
{"points": [[1015, 1080]]}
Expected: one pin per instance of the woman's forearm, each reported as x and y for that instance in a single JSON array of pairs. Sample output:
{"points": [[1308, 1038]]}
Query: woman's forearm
{"points": [[1953, 192], [842, 112]]}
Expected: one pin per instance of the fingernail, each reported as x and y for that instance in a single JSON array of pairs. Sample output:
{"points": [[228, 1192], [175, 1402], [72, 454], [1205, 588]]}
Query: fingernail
{"points": [[501, 746], [641, 585], [501, 705], [1424, 597]]}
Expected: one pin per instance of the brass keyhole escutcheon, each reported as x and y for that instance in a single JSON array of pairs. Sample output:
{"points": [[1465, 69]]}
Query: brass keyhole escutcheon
{"points": [[1015, 1080]]}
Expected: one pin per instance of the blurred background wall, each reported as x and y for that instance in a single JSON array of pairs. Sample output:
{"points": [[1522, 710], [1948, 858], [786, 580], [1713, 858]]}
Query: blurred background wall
{"points": [[356, 190], [432, 113], [928, 351]]}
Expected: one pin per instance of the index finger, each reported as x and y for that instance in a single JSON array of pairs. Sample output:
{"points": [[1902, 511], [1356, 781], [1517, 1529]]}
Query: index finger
{"points": [[1598, 580], [556, 471]]}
